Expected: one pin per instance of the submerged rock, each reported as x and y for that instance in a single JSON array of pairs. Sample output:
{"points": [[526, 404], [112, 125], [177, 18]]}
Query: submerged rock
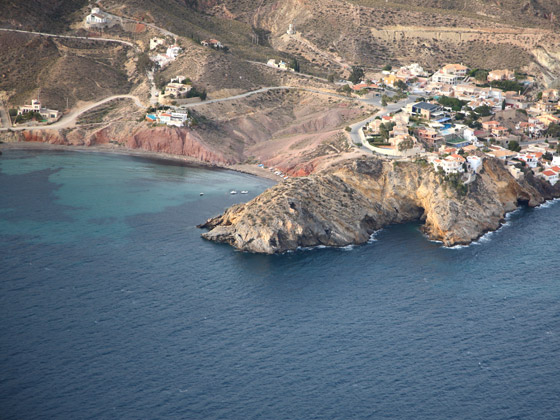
{"points": [[349, 202]]}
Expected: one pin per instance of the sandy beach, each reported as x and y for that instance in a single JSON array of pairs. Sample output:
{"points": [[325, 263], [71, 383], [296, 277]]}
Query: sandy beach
{"points": [[180, 160]]}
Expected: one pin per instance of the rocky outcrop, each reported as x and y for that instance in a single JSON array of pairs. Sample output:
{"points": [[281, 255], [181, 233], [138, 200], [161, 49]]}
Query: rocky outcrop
{"points": [[43, 136], [349, 202], [175, 141]]}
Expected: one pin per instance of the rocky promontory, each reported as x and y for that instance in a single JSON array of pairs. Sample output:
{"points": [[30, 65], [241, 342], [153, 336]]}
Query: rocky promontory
{"points": [[347, 203]]}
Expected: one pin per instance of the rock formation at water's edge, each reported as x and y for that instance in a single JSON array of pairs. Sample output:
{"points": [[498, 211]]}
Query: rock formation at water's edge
{"points": [[347, 203]]}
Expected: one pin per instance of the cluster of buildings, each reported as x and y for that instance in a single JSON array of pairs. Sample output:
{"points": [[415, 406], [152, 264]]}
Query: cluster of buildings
{"points": [[399, 141], [163, 59], [537, 157], [48, 115], [173, 116], [406, 74], [458, 140], [450, 161]]}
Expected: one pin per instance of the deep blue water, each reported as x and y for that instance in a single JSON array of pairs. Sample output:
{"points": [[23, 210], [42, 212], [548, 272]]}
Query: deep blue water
{"points": [[113, 307]]}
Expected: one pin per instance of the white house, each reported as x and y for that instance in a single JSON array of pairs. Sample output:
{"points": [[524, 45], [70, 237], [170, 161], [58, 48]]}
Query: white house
{"points": [[416, 69], [474, 163], [178, 79], [501, 75], [161, 60], [450, 164], [47, 114], [450, 74], [529, 158], [551, 176], [282, 65], [468, 134], [453, 164], [174, 51], [556, 160], [177, 118], [177, 89], [448, 79], [456, 69], [95, 18]]}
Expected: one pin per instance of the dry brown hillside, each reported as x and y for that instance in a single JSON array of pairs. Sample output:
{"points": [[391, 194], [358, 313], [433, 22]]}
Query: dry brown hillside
{"points": [[40, 15], [60, 69], [335, 34]]}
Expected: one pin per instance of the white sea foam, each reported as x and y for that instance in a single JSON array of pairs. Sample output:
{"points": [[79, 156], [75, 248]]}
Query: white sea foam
{"points": [[373, 237], [457, 246], [548, 204], [309, 248]]}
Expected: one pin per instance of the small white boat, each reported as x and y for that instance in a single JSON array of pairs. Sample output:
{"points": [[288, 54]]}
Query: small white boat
{"points": [[244, 192], [201, 193], [233, 192]]}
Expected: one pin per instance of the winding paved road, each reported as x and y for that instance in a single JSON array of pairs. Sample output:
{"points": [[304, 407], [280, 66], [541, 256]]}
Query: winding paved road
{"points": [[267, 89], [83, 38], [355, 128], [69, 121]]}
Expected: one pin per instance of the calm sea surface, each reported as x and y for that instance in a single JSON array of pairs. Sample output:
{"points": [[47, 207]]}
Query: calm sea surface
{"points": [[113, 307]]}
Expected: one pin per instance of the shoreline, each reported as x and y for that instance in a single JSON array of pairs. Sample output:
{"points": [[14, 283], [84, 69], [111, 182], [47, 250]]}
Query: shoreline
{"points": [[156, 156]]}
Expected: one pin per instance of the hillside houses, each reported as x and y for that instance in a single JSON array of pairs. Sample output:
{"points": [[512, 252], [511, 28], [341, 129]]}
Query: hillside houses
{"points": [[36, 108], [551, 175], [97, 19], [464, 120], [177, 90], [450, 164], [171, 54], [425, 110], [549, 103], [173, 117], [500, 75], [450, 74], [214, 43]]}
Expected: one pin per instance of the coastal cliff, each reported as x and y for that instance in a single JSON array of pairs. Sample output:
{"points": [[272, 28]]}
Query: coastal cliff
{"points": [[349, 202], [168, 140]]}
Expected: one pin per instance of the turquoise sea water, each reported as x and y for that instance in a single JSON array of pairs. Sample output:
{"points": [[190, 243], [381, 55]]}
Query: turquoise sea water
{"points": [[112, 306]]}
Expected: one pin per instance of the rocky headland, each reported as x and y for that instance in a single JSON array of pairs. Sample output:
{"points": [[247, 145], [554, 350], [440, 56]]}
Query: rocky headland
{"points": [[349, 202]]}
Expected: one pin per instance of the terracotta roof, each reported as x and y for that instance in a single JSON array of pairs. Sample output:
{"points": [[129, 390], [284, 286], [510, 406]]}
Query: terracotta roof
{"points": [[502, 153], [458, 157]]}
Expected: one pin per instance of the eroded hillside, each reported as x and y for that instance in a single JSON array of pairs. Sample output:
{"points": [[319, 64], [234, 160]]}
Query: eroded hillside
{"points": [[333, 34], [61, 70]]}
